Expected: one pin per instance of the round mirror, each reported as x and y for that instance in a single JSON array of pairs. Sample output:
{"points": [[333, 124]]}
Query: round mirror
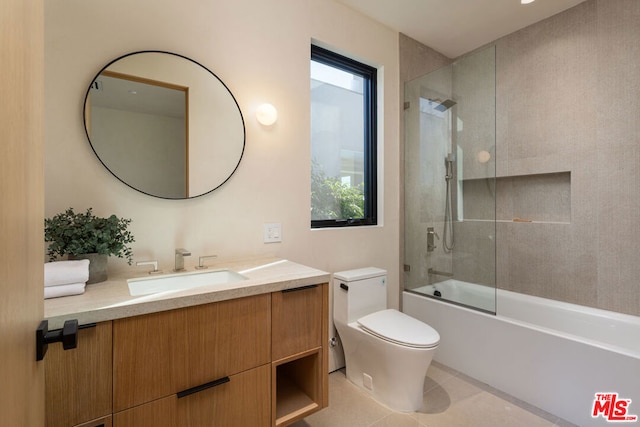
{"points": [[164, 124]]}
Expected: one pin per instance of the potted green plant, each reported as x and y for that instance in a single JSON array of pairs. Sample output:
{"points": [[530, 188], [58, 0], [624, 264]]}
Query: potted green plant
{"points": [[84, 235]]}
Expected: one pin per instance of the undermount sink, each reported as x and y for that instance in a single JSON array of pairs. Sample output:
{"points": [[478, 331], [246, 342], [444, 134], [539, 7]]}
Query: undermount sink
{"points": [[182, 281]]}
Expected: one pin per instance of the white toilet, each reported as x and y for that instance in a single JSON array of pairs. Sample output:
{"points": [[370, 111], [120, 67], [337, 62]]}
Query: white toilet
{"points": [[386, 352]]}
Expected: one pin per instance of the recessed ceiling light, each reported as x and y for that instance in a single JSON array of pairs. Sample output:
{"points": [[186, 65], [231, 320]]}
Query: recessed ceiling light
{"points": [[526, 1]]}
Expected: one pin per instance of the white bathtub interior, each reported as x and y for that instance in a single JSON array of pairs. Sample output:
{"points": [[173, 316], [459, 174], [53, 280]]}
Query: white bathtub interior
{"points": [[553, 355], [463, 293]]}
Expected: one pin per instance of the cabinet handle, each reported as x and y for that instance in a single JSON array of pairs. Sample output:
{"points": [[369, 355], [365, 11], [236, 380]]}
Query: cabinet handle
{"points": [[345, 287], [301, 288], [202, 387], [87, 326]]}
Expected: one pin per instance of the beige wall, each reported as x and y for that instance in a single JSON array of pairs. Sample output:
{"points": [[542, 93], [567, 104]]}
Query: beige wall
{"points": [[568, 92], [260, 50], [568, 137]]}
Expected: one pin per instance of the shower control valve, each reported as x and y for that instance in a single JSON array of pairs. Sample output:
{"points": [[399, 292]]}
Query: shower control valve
{"points": [[431, 232]]}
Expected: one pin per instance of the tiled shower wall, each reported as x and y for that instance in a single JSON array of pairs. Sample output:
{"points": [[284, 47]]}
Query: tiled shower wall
{"points": [[567, 153]]}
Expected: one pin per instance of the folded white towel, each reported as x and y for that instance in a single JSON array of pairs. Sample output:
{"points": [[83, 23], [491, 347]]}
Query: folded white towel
{"points": [[66, 272], [63, 290]]}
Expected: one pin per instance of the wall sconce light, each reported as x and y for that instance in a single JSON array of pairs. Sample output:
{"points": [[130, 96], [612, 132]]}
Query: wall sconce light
{"points": [[483, 156], [267, 114]]}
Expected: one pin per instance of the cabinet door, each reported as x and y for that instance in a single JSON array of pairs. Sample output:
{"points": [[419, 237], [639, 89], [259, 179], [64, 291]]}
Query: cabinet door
{"points": [[159, 354], [78, 381], [297, 320], [241, 401]]}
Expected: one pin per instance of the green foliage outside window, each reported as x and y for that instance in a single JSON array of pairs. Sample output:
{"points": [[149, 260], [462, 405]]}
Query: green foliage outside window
{"points": [[333, 199]]}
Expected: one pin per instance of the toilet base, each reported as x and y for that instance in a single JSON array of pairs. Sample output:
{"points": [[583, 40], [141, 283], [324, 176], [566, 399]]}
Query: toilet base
{"points": [[410, 398], [394, 375]]}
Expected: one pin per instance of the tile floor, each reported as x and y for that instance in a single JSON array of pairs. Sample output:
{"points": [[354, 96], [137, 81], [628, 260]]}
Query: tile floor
{"points": [[451, 399]]}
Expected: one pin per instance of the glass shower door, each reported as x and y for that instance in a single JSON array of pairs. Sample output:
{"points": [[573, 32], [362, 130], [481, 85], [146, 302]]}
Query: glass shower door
{"points": [[450, 183]]}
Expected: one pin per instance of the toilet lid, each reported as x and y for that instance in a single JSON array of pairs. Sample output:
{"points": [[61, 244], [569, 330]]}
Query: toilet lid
{"points": [[399, 328]]}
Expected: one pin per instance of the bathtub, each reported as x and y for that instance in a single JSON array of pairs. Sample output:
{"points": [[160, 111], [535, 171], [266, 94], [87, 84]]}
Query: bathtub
{"points": [[550, 354]]}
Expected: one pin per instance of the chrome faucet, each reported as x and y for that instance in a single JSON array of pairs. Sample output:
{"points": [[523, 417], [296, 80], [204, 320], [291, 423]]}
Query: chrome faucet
{"points": [[180, 254], [201, 265], [153, 263]]}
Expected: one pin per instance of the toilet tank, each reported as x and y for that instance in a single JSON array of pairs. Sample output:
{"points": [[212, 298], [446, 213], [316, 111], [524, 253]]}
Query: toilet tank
{"points": [[357, 293]]}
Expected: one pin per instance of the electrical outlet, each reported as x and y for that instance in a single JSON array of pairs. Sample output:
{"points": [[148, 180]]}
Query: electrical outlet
{"points": [[273, 233]]}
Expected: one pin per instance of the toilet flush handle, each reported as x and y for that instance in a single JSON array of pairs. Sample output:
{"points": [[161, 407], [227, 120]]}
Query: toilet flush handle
{"points": [[345, 287]]}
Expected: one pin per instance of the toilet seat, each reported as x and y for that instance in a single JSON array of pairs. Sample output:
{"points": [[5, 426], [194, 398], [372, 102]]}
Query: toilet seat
{"points": [[392, 325]]}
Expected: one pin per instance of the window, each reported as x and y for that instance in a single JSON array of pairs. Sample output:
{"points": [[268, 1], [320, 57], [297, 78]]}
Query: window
{"points": [[343, 141]]}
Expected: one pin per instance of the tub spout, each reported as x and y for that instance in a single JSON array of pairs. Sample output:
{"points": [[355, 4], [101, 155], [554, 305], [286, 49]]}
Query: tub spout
{"points": [[431, 271]]}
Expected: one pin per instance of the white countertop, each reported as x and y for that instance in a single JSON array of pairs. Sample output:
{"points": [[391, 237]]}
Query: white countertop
{"points": [[111, 300]]}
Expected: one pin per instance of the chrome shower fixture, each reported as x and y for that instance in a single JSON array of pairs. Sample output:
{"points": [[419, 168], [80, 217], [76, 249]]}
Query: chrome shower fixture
{"points": [[449, 161], [448, 240], [443, 106]]}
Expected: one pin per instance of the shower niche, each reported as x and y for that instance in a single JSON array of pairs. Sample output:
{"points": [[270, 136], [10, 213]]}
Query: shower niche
{"points": [[542, 197]]}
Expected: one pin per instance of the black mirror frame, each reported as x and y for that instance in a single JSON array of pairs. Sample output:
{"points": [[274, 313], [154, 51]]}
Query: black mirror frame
{"points": [[84, 120]]}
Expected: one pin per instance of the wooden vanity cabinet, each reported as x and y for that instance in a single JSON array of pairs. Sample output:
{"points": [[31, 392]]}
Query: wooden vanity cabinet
{"points": [[256, 361], [299, 353], [161, 354], [78, 381]]}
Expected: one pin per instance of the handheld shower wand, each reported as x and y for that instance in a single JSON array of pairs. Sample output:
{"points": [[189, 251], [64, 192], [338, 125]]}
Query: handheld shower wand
{"points": [[449, 160], [448, 241]]}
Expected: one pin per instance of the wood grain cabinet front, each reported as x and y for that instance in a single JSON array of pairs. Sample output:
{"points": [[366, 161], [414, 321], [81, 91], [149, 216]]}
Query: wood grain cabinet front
{"points": [[102, 422], [160, 354], [297, 320], [78, 381], [299, 353], [240, 400], [256, 361]]}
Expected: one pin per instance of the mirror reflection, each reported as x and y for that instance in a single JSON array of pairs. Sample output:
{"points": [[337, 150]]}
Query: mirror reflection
{"points": [[164, 124]]}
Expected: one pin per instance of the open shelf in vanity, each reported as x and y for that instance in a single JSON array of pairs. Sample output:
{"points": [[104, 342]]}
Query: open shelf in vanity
{"points": [[297, 386]]}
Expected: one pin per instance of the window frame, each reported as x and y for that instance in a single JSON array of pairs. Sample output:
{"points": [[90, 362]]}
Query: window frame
{"points": [[369, 75]]}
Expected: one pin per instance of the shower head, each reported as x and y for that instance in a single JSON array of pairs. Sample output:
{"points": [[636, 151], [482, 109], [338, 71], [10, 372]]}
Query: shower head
{"points": [[445, 105], [441, 105]]}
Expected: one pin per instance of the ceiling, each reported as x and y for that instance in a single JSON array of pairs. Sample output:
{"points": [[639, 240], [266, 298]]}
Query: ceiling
{"points": [[455, 27]]}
